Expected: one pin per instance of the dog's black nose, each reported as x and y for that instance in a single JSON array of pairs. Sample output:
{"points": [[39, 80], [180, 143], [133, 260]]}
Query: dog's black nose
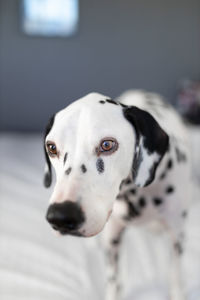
{"points": [[65, 216]]}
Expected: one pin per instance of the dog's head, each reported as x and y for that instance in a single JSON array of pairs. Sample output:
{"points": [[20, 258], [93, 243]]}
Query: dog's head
{"points": [[93, 145]]}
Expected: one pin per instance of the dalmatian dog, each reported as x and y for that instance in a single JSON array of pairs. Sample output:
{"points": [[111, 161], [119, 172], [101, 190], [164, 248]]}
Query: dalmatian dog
{"points": [[118, 162]]}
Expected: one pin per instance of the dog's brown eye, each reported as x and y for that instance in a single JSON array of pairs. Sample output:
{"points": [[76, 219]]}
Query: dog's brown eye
{"points": [[108, 146], [51, 148]]}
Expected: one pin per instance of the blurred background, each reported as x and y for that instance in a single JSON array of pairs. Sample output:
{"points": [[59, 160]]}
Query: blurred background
{"points": [[117, 45], [51, 53]]}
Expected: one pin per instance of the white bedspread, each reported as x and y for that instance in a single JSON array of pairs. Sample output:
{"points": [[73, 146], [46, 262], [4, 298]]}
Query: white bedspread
{"points": [[36, 264]]}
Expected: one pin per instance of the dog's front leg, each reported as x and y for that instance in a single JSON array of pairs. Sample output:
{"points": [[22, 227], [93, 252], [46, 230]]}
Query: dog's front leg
{"points": [[111, 238]]}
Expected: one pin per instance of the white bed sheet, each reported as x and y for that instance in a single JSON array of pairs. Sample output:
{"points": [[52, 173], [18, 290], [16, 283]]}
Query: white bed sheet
{"points": [[36, 264]]}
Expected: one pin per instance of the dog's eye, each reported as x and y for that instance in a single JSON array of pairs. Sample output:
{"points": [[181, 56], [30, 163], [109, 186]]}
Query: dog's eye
{"points": [[52, 150], [108, 146]]}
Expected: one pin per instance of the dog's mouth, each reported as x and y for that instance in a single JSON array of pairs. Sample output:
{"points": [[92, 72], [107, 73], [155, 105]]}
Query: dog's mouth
{"points": [[65, 231]]}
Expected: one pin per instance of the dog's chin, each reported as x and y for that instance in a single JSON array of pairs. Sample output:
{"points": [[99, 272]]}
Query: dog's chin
{"points": [[64, 232], [68, 232], [88, 233]]}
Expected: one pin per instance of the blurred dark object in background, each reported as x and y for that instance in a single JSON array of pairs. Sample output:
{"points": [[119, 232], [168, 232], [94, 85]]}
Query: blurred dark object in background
{"points": [[188, 101]]}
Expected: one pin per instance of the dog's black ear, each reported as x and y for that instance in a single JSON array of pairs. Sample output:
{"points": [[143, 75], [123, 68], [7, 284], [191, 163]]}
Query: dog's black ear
{"points": [[151, 144], [48, 171]]}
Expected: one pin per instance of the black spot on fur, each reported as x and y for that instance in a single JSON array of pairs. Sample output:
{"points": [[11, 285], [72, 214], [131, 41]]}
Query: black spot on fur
{"points": [[133, 191], [184, 214], [162, 176], [111, 101], [178, 247], [127, 181], [68, 171], [65, 158], [157, 201], [181, 157], [142, 202], [169, 164], [115, 242], [169, 189], [100, 165], [123, 105], [133, 210], [83, 168], [102, 102]]}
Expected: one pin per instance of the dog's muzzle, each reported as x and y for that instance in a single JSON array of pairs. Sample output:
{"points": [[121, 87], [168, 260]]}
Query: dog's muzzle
{"points": [[66, 217]]}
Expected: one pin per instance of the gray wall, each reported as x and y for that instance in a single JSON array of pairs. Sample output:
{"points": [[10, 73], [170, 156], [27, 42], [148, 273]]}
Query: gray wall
{"points": [[120, 44]]}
